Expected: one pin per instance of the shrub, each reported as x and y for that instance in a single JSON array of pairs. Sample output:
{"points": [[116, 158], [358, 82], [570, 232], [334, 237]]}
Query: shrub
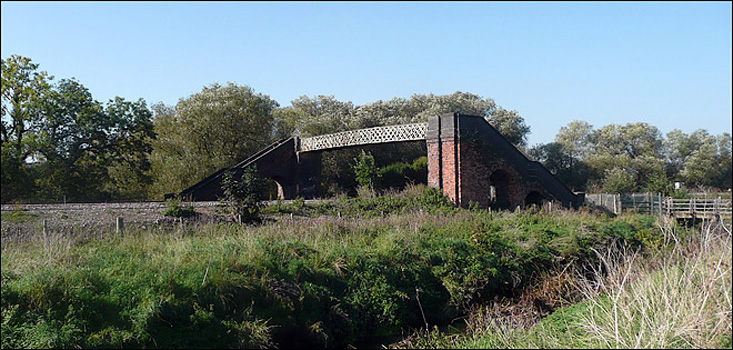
{"points": [[365, 170], [399, 175], [176, 210], [243, 196]]}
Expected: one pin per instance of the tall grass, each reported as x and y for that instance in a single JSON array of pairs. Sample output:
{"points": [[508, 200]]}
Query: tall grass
{"points": [[680, 298], [677, 295]]}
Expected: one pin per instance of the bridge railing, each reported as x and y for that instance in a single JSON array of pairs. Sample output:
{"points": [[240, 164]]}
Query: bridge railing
{"points": [[381, 134]]}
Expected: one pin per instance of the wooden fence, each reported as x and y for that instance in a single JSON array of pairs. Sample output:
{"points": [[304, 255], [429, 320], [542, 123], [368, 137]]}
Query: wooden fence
{"points": [[656, 204], [697, 208]]}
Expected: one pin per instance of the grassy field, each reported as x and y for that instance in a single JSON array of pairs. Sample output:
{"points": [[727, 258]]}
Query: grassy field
{"points": [[406, 269]]}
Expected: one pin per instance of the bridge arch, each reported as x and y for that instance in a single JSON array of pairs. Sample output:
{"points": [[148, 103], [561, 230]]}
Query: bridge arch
{"points": [[282, 184], [502, 186], [534, 198]]}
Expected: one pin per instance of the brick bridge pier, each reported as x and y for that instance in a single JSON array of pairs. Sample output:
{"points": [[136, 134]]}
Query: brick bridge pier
{"points": [[469, 160]]}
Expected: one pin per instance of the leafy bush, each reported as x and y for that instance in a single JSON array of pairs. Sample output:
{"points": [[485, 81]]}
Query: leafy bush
{"points": [[365, 170], [399, 175], [243, 196], [176, 210]]}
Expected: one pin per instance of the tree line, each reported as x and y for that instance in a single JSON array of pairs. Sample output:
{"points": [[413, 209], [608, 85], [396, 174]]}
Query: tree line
{"points": [[635, 157], [59, 143]]}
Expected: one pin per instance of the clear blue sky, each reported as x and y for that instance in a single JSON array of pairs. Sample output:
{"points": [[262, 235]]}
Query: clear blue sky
{"points": [[667, 64]]}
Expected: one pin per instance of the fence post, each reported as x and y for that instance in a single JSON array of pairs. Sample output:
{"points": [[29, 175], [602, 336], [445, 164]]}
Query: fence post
{"points": [[45, 230], [119, 225], [614, 203], [692, 207]]}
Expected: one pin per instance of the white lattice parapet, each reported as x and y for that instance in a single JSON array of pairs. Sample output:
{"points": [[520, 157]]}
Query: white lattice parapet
{"points": [[382, 134]]}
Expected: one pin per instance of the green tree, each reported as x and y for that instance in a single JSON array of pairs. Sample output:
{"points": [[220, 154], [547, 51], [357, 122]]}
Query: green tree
{"points": [[561, 163], [243, 197], [24, 87], [660, 184], [420, 106], [725, 179], [365, 170], [128, 168], [700, 159], [677, 147], [92, 152], [74, 142], [319, 115], [215, 128], [78, 149], [634, 149], [620, 180], [576, 139]]}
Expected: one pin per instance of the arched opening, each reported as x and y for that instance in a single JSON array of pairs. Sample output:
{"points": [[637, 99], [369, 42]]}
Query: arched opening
{"points": [[273, 190], [499, 184], [279, 188], [533, 198]]}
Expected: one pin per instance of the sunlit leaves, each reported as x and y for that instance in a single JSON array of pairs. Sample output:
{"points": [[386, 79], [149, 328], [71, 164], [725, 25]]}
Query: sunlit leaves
{"points": [[215, 128]]}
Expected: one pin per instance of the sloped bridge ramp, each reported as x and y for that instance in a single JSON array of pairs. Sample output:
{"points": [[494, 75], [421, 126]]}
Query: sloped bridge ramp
{"points": [[469, 160]]}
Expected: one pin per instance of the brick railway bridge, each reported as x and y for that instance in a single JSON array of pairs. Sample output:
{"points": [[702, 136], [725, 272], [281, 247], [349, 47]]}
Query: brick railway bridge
{"points": [[468, 160]]}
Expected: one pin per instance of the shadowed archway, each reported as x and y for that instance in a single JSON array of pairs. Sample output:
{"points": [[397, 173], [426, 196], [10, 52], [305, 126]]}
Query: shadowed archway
{"points": [[499, 183], [533, 198]]}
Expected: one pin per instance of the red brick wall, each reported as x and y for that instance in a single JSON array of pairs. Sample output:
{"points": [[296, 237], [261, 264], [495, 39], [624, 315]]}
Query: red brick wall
{"points": [[466, 178], [443, 167], [434, 163], [474, 176], [449, 169], [462, 168]]}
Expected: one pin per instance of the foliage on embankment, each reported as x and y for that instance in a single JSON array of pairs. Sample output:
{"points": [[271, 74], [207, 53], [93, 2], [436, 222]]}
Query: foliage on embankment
{"points": [[375, 266], [677, 295]]}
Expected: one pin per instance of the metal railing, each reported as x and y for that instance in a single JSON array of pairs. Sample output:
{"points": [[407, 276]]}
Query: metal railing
{"points": [[382, 134]]}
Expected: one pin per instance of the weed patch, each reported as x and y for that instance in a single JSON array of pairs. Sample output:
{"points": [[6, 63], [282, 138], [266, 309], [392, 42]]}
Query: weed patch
{"points": [[19, 216]]}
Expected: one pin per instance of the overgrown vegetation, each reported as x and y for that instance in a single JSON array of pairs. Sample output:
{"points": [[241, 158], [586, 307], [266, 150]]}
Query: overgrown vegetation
{"points": [[677, 295], [336, 273], [365, 170], [19, 215], [243, 196], [176, 210]]}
